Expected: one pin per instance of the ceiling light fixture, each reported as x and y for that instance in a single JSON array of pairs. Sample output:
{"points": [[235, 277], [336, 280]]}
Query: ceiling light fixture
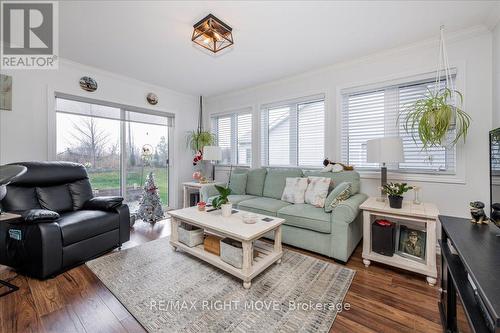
{"points": [[212, 34]]}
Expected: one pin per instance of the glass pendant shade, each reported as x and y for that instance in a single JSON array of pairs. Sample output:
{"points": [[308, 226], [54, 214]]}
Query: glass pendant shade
{"points": [[212, 34]]}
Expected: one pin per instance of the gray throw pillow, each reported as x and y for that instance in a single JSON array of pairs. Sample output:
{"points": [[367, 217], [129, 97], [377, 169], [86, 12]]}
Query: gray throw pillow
{"points": [[238, 183], [340, 193]]}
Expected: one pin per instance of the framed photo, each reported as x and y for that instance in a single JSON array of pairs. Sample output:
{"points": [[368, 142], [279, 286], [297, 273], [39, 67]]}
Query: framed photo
{"points": [[411, 240]]}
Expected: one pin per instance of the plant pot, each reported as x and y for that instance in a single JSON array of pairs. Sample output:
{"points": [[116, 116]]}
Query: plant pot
{"points": [[226, 209], [395, 201]]}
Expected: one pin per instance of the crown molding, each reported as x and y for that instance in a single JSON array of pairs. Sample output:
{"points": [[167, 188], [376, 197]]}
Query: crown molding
{"points": [[451, 37]]}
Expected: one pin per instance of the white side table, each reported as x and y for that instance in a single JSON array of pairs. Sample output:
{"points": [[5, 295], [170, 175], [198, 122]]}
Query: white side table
{"points": [[190, 187], [424, 216]]}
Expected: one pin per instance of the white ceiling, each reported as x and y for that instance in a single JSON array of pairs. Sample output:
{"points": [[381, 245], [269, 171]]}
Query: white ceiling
{"points": [[151, 40]]}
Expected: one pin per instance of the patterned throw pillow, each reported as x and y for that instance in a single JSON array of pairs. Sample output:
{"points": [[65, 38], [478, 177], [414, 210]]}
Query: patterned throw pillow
{"points": [[295, 189], [317, 190], [340, 193]]}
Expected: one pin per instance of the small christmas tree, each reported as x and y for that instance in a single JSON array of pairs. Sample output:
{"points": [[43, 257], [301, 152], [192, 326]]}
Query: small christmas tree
{"points": [[150, 205]]}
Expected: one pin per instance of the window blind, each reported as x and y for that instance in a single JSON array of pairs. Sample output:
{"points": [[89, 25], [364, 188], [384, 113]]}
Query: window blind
{"points": [[292, 133], [233, 133], [379, 112], [112, 111]]}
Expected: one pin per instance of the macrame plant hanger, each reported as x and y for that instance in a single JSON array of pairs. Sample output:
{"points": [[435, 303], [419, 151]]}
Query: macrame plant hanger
{"points": [[444, 66]]}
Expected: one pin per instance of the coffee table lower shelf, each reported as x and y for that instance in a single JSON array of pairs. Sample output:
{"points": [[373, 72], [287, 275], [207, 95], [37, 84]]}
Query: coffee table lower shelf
{"points": [[265, 258]]}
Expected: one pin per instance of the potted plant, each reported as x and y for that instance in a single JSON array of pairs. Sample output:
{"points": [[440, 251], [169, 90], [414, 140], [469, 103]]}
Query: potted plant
{"points": [[221, 201], [198, 139], [395, 192], [432, 118]]}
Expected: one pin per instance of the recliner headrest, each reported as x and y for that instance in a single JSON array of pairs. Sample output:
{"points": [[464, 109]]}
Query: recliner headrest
{"points": [[50, 173]]}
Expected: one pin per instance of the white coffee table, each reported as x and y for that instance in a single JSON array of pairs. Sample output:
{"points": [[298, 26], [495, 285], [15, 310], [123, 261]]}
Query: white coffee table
{"points": [[232, 227]]}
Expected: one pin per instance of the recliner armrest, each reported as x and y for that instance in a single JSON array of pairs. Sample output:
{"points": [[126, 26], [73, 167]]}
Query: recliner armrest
{"points": [[347, 210], [108, 203], [39, 215]]}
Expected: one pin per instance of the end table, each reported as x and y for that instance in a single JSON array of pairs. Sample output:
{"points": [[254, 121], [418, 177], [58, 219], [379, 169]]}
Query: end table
{"points": [[421, 217], [193, 187], [8, 217]]}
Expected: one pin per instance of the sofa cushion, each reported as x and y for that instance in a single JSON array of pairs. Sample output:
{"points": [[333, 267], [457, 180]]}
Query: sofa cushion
{"points": [[266, 206], [238, 183], [295, 190], [84, 224], [235, 198], [340, 193], [81, 192], [317, 191], [20, 198], [255, 181], [276, 179], [56, 198], [306, 216], [338, 177]]}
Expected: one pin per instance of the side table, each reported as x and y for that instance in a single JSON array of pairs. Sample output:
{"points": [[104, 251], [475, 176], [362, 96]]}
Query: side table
{"points": [[420, 217], [8, 217], [193, 187]]}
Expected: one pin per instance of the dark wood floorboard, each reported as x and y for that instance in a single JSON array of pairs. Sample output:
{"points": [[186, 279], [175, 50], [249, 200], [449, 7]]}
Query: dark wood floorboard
{"points": [[382, 299]]}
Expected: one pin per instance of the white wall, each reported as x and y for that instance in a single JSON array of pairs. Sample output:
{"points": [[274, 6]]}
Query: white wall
{"points": [[496, 76], [24, 130], [470, 51]]}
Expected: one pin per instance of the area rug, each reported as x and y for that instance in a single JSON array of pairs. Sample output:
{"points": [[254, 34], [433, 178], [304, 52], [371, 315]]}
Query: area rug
{"points": [[169, 291]]}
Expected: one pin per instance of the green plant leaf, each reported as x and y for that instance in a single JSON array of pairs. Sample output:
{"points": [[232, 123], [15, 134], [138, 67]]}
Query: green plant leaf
{"points": [[430, 119], [196, 140]]}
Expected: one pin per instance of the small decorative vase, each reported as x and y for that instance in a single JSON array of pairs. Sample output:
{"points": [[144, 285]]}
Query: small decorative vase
{"points": [[197, 175], [226, 209], [395, 201], [416, 191]]}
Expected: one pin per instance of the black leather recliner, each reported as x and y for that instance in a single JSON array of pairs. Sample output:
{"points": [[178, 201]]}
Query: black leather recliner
{"points": [[62, 223]]}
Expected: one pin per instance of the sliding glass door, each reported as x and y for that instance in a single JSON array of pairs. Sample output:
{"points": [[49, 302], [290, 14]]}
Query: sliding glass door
{"points": [[153, 138], [111, 141]]}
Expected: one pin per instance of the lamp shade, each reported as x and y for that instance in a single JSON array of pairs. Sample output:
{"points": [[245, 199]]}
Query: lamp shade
{"points": [[385, 150], [212, 153]]}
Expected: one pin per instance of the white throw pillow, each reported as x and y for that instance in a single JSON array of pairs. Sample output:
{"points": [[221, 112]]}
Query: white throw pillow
{"points": [[317, 190], [295, 189]]}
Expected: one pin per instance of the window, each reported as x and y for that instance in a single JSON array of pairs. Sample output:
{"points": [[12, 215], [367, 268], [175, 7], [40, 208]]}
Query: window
{"points": [[373, 113], [108, 140], [293, 133], [233, 134]]}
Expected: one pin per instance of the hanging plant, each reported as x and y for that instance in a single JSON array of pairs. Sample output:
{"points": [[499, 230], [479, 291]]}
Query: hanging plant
{"points": [[198, 139], [433, 118], [438, 117]]}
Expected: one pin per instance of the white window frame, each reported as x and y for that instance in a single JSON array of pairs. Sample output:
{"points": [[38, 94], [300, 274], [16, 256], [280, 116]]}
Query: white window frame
{"points": [[263, 145], [52, 95], [233, 114], [419, 74]]}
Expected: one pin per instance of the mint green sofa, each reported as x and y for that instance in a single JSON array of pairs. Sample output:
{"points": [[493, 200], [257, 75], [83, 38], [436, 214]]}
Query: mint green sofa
{"points": [[334, 234]]}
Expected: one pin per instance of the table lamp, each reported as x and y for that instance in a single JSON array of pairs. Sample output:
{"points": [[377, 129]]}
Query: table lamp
{"points": [[212, 153], [384, 150]]}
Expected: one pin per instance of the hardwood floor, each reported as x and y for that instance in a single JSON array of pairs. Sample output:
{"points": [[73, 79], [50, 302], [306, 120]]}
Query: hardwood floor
{"points": [[381, 299]]}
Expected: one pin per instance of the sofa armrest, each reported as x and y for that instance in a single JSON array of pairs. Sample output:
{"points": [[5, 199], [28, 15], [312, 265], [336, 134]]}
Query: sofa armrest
{"points": [[207, 191], [124, 223], [38, 250], [109, 203], [347, 210], [39, 216]]}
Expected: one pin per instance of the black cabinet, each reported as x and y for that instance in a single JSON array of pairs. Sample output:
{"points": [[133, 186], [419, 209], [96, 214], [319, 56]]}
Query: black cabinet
{"points": [[470, 276]]}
